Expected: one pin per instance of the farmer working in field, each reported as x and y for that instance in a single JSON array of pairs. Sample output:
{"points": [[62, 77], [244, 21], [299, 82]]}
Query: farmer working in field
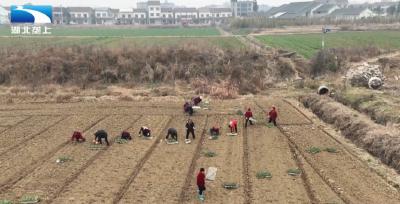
{"points": [[187, 108], [173, 133], [273, 115], [77, 136], [196, 100], [248, 115], [99, 135], [190, 129], [125, 135], [233, 125], [201, 183], [214, 131], [145, 131]]}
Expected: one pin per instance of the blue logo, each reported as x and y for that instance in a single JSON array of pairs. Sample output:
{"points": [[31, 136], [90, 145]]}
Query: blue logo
{"points": [[31, 14]]}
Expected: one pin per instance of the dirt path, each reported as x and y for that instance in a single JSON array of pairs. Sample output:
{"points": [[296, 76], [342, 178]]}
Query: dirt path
{"points": [[50, 179], [110, 172], [163, 175]]}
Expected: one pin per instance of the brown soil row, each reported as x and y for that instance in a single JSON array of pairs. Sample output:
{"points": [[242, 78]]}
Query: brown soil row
{"points": [[163, 175], [26, 130], [229, 162], [269, 150], [103, 179], [12, 120], [48, 180], [19, 162], [351, 179]]}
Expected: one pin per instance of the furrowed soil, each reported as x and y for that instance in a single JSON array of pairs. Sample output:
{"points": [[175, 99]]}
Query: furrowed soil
{"points": [[34, 136]]}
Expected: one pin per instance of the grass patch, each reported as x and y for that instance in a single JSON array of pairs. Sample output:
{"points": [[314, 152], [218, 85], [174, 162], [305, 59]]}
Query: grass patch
{"points": [[210, 154], [313, 150], [119, 140], [331, 150], [230, 185], [239, 112], [264, 175], [294, 172], [29, 199], [308, 45], [5, 202]]}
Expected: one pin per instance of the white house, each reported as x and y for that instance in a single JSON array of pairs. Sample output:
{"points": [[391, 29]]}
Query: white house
{"points": [[125, 16], [81, 15], [167, 15], [352, 14], [186, 15], [4, 16], [105, 16], [140, 16], [154, 12]]}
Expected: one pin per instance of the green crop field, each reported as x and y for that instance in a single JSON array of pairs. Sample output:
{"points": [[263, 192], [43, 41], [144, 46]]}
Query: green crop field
{"points": [[308, 44], [43, 42], [123, 31]]}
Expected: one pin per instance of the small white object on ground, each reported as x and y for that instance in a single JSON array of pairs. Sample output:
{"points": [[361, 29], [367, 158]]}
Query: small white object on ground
{"points": [[187, 141], [232, 134], [253, 120], [211, 173], [196, 107]]}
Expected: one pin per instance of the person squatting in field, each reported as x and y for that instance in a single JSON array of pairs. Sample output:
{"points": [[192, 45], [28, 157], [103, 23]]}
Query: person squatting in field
{"points": [[273, 115], [201, 183], [173, 133], [101, 134], [214, 131], [248, 116], [190, 127], [145, 131], [187, 108], [197, 100], [125, 135], [77, 136], [233, 125]]}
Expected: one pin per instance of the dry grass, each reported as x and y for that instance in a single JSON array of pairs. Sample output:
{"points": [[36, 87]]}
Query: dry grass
{"points": [[380, 141]]}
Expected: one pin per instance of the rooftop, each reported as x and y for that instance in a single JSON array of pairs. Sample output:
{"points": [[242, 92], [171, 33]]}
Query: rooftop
{"points": [[348, 12]]}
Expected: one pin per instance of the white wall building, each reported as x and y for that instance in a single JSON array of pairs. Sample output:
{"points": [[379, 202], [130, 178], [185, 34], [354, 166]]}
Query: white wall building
{"points": [[352, 14], [186, 15], [4, 16], [154, 12]]}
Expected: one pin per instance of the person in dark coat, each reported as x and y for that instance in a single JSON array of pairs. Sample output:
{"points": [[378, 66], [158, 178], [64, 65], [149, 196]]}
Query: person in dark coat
{"points": [[145, 131], [101, 134], [125, 135], [273, 115], [201, 183], [173, 133], [196, 100], [77, 136], [187, 108], [214, 131], [247, 116], [190, 129]]}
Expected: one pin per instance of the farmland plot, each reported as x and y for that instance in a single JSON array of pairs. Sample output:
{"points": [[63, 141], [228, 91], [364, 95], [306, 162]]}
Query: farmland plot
{"points": [[163, 175], [50, 179]]}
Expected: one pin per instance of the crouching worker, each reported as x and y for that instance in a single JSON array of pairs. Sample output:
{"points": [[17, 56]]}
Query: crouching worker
{"points": [[248, 116], [233, 126], [197, 100], [173, 133], [125, 135], [145, 131], [77, 136], [201, 183], [101, 134], [187, 108], [214, 131]]}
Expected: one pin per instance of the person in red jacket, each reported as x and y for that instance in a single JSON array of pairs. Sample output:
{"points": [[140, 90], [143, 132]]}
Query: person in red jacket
{"points": [[273, 115], [201, 183], [196, 100], [77, 136], [247, 116], [233, 125]]}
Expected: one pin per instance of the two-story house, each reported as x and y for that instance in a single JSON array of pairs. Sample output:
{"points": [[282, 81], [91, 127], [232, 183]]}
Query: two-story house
{"points": [[186, 15], [105, 16], [81, 15], [61, 15], [154, 12]]}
